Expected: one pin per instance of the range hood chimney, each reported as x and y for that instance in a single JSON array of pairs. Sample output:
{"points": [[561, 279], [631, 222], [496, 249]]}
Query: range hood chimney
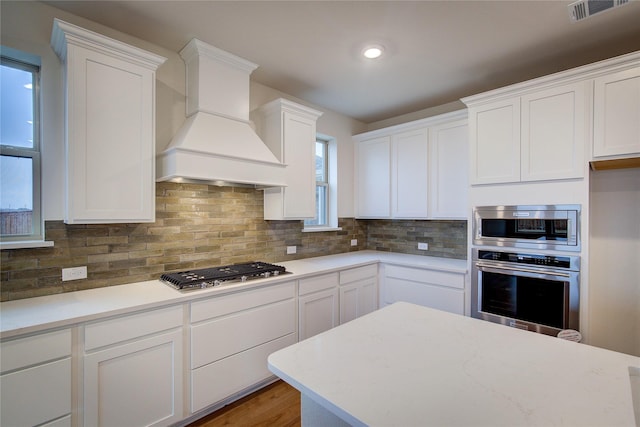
{"points": [[217, 144]]}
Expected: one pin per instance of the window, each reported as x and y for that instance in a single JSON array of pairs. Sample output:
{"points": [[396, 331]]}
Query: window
{"points": [[326, 186], [20, 216], [322, 186]]}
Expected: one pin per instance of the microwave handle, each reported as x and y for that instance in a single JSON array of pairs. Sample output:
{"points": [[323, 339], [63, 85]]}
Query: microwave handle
{"points": [[525, 270]]}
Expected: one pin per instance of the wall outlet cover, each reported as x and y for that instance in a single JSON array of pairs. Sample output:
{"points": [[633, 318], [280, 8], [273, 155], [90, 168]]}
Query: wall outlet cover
{"points": [[291, 250], [74, 273], [423, 246], [354, 242]]}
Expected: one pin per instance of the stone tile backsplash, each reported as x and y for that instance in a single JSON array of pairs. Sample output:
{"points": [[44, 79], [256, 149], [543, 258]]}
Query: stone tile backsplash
{"points": [[445, 238], [201, 226]]}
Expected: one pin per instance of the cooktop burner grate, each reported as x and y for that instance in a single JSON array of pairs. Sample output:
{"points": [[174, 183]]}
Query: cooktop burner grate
{"points": [[209, 277]]}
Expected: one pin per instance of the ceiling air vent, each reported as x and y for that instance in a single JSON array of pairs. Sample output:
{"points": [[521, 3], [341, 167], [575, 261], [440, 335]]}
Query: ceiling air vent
{"points": [[583, 9]]}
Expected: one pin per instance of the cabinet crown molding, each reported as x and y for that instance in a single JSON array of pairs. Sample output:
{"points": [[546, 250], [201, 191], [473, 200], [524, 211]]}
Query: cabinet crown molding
{"points": [[577, 74], [282, 105], [64, 34], [428, 121]]}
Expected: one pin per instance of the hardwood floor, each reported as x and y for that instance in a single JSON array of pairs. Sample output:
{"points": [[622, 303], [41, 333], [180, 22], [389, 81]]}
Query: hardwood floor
{"points": [[278, 404]]}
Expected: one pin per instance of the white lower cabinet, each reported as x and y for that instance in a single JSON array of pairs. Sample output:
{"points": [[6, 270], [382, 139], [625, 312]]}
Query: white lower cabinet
{"points": [[318, 304], [35, 383], [231, 338], [358, 292], [431, 288], [133, 370]]}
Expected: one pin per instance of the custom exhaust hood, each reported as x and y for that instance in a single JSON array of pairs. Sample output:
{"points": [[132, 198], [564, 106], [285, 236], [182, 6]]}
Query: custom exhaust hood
{"points": [[216, 144]]}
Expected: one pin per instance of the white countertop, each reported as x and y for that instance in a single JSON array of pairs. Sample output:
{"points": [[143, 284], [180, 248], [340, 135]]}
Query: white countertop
{"points": [[408, 365], [52, 311]]}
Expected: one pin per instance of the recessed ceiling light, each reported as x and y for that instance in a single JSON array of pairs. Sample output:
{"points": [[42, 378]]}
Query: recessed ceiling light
{"points": [[372, 52]]}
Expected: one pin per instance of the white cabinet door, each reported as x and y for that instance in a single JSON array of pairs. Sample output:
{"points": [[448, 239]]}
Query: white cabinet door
{"points": [[494, 145], [616, 116], [110, 146], [553, 133], [35, 380], [409, 175], [317, 312], [36, 395], [300, 193], [135, 384], [442, 290], [441, 298], [374, 178], [289, 130], [449, 170], [358, 298]]}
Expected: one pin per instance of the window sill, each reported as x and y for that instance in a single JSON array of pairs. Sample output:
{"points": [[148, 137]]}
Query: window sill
{"points": [[318, 229], [26, 244]]}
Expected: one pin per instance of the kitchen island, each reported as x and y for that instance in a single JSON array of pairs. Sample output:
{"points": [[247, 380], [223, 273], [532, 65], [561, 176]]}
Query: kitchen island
{"points": [[407, 365]]}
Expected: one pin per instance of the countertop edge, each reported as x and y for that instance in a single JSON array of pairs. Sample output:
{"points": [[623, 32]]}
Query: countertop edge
{"points": [[33, 315]]}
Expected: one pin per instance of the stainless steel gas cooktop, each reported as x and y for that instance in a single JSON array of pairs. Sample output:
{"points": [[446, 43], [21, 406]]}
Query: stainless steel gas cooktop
{"points": [[210, 277]]}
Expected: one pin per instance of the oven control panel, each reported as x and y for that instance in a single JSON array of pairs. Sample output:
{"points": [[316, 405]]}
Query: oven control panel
{"points": [[556, 261]]}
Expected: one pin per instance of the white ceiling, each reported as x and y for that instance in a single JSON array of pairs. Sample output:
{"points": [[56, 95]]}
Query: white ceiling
{"points": [[436, 51]]}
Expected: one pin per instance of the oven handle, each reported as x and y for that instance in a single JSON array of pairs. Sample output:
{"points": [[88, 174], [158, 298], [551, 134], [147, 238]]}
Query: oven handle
{"points": [[520, 269]]}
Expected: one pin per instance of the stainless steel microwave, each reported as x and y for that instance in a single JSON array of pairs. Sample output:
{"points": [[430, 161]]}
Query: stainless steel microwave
{"points": [[552, 227]]}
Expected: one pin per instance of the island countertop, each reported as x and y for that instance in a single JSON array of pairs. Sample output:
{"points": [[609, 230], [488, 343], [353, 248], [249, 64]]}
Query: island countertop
{"points": [[408, 365]]}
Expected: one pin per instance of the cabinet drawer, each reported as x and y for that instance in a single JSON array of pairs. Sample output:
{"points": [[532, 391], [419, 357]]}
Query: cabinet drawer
{"points": [[358, 273], [223, 305], [432, 277], [107, 332], [317, 283], [36, 395], [219, 338], [220, 380], [23, 352]]}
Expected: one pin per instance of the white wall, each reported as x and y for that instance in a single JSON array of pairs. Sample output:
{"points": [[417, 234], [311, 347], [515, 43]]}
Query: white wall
{"points": [[27, 26], [615, 260]]}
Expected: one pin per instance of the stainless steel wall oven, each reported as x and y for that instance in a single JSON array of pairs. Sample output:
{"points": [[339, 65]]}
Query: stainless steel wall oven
{"points": [[537, 292], [545, 227]]}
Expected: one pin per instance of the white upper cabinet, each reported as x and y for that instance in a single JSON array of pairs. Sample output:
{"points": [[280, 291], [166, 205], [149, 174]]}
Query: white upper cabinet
{"points": [[537, 136], [417, 170], [409, 177], [553, 133], [374, 178], [110, 127], [289, 130], [448, 170], [494, 144], [616, 116]]}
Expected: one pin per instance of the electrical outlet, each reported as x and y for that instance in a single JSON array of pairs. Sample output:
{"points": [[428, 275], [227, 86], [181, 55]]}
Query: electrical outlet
{"points": [[291, 250], [354, 242], [74, 273], [423, 246]]}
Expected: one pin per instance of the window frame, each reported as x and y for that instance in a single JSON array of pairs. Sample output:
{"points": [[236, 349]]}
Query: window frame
{"points": [[329, 187], [31, 63]]}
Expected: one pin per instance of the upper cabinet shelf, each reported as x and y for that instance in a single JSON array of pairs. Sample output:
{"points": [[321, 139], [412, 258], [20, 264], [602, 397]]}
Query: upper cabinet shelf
{"points": [[110, 127]]}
